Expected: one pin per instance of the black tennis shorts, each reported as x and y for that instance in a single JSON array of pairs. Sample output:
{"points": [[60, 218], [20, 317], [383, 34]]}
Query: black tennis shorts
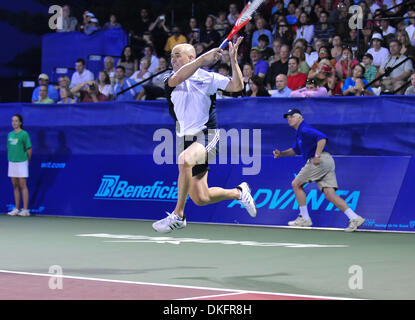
{"points": [[210, 140]]}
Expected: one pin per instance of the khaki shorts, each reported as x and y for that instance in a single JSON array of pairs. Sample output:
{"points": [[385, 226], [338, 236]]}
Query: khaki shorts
{"points": [[323, 174]]}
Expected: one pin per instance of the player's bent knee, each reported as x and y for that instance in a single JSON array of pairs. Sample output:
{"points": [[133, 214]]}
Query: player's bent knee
{"points": [[329, 193], [200, 201], [186, 161], [296, 184]]}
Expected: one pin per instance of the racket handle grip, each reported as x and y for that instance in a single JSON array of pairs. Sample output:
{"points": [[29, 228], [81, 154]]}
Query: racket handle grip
{"points": [[224, 44]]}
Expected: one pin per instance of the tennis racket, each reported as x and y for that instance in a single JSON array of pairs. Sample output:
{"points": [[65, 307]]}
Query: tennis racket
{"points": [[243, 19]]}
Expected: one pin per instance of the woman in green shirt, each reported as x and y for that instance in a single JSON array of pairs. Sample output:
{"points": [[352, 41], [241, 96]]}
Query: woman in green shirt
{"points": [[19, 152]]}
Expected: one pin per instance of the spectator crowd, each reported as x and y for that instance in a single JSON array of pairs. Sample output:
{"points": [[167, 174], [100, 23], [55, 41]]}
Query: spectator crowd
{"points": [[300, 48]]}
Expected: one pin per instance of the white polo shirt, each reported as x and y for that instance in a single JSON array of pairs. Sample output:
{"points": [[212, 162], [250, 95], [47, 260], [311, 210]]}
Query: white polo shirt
{"points": [[192, 102], [80, 78], [379, 56]]}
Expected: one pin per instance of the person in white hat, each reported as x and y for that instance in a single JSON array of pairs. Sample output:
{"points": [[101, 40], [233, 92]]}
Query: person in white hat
{"points": [[379, 53], [44, 81], [86, 16], [93, 26]]}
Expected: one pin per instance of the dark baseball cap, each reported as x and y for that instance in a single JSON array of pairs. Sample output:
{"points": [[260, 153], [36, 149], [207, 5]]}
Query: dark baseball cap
{"points": [[368, 55], [291, 112]]}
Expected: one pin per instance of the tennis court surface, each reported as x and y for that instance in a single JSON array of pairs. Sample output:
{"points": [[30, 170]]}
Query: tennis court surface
{"points": [[87, 259]]}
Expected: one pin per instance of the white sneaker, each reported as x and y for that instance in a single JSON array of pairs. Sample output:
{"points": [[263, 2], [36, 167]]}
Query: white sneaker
{"points": [[24, 213], [300, 222], [246, 199], [354, 224], [14, 212], [166, 225]]}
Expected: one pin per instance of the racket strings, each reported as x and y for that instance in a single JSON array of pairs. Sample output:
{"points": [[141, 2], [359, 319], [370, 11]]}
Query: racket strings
{"points": [[249, 11]]}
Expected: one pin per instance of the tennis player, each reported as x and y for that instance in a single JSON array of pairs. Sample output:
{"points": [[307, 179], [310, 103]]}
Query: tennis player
{"points": [[191, 93], [319, 167], [19, 152]]}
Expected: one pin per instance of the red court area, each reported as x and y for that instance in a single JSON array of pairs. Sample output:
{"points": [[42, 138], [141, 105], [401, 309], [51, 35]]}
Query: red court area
{"points": [[19, 286]]}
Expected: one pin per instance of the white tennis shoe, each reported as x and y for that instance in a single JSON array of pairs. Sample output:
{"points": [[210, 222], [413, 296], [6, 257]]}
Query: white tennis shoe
{"points": [[14, 212], [24, 213], [170, 223], [300, 222], [246, 199], [354, 224]]}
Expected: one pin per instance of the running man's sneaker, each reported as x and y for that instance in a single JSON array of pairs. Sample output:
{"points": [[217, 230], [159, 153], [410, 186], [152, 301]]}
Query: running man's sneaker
{"points": [[300, 222], [168, 224], [24, 213], [246, 199], [354, 224], [14, 212]]}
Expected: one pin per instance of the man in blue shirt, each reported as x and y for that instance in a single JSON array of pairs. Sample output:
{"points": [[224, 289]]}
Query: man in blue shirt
{"points": [[291, 17], [319, 167], [123, 83], [260, 66], [44, 81], [282, 90]]}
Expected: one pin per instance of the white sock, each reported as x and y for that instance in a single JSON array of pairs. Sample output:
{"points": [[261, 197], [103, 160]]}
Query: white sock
{"points": [[350, 214], [180, 218], [304, 212], [240, 194]]}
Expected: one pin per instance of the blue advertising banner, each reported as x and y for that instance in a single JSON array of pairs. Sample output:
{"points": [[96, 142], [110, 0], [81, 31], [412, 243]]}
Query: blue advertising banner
{"points": [[135, 187]]}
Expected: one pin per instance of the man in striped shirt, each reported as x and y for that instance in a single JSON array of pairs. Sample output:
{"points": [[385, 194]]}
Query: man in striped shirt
{"points": [[323, 30], [191, 93]]}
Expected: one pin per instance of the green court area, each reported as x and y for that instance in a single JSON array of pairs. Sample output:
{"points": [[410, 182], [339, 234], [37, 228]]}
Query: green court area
{"points": [[359, 265]]}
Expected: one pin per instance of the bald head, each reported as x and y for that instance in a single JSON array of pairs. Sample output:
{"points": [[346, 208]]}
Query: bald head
{"points": [[182, 54], [185, 48]]}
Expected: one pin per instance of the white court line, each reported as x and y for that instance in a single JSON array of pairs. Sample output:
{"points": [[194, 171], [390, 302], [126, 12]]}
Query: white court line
{"points": [[171, 285], [170, 240]]}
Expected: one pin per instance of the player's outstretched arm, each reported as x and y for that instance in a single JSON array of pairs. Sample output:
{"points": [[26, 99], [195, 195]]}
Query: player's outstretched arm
{"points": [[236, 84], [186, 71]]}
